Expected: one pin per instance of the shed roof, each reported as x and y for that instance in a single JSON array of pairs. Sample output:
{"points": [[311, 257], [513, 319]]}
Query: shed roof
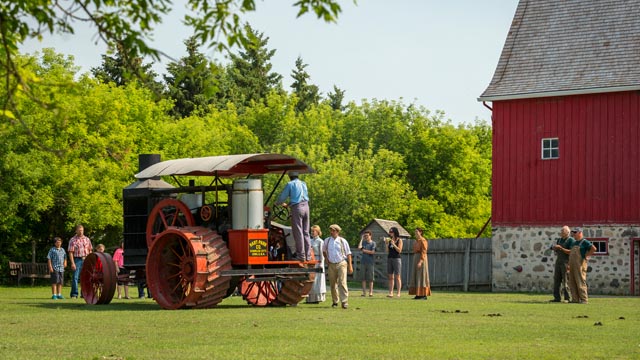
{"points": [[388, 224], [557, 48]]}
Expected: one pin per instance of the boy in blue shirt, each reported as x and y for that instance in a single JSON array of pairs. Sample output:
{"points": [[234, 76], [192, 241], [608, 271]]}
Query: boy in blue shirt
{"points": [[57, 261]]}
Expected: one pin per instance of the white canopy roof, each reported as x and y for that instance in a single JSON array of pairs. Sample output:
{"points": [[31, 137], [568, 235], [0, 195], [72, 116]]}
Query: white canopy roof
{"points": [[226, 166]]}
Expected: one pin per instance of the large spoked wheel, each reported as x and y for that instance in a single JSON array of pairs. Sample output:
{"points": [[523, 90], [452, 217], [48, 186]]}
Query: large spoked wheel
{"points": [[166, 213], [258, 293], [183, 268], [98, 279]]}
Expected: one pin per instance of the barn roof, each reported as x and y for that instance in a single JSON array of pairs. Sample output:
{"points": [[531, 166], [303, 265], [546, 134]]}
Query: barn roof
{"points": [[557, 48]]}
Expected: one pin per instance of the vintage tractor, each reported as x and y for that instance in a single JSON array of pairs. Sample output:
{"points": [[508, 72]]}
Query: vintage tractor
{"points": [[193, 245]]}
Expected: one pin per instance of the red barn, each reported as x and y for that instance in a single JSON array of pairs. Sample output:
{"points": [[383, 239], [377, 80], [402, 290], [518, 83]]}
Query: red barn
{"points": [[565, 98]]}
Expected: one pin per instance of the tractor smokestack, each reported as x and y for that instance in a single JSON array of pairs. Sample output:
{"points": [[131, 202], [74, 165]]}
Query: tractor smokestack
{"points": [[146, 160]]}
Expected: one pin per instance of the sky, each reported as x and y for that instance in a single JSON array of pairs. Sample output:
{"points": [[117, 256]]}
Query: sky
{"points": [[432, 53]]}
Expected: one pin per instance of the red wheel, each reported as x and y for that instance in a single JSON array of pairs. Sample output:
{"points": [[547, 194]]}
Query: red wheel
{"points": [[183, 268], [166, 213], [258, 293], [293, 291], [98, 279]]}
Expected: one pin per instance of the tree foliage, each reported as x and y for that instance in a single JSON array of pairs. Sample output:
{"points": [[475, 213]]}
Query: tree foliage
{"points": [[127, 26], [308, 94], [379, 159], [191, 82], [251, 72]]}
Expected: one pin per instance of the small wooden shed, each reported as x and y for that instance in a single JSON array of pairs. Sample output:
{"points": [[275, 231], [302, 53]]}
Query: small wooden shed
{"points": [[380, 229]]}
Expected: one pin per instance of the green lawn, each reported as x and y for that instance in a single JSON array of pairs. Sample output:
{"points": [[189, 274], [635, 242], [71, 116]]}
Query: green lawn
{"points": [[447, 326]]}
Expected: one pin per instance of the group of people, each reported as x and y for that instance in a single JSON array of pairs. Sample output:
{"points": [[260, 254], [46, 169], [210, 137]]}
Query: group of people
{"points": [[419, 285], [79, 248], [335, 249], [570, 270]]}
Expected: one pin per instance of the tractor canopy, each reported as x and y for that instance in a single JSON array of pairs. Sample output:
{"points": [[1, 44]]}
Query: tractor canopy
{"points": [[227, 166]]}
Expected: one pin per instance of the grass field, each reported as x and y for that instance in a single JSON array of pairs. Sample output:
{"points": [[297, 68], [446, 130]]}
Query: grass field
{"points": [[447, 326]]}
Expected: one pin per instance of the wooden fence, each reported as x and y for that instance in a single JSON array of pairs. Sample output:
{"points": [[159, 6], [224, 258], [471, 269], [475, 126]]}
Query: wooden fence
{"points": [[454, 264]]}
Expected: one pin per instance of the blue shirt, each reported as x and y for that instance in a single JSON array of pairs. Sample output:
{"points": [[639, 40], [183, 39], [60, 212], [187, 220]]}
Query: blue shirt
{"points": [[367, 259], [296, 191], [57, 257]]}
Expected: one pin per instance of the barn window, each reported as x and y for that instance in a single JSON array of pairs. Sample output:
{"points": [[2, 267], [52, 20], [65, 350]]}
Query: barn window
{"points": [[550, 148], [602, 246]]}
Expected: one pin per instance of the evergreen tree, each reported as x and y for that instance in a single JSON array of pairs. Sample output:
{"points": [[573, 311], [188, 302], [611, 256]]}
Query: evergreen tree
{"points": [[307, 94], [121, 70], [191, 81], [250, 71], [336, 98]]}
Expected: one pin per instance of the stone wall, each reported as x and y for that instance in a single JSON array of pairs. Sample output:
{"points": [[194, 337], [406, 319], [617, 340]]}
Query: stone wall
{"points": [[522, 260]]}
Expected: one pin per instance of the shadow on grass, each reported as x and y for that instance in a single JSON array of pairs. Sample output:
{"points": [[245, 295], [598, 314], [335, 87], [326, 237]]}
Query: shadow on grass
{"points": [[147, 305]]}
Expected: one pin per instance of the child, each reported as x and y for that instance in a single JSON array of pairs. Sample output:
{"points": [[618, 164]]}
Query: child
{"points": [[118, 260], [100, 248], [57, 261]]}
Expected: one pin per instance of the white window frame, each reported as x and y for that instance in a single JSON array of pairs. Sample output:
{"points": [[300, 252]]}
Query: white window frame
{"points": [[548, 147], [604, 241]]}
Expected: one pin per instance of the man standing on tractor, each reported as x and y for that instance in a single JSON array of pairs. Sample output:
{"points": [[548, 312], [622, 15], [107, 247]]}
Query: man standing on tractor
{"points": [[296, 191]]}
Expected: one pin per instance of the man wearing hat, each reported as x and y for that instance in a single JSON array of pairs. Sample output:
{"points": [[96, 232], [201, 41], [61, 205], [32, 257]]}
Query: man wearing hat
{"points": [[581, 250], [337, 252], [296, 192]]}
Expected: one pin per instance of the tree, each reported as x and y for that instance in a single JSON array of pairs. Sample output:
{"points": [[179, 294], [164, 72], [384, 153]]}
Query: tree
{"points": [[115, 69], [99, 129], [191, 82], [250, 70], [126, 25], [336, 98], [308, 94]]}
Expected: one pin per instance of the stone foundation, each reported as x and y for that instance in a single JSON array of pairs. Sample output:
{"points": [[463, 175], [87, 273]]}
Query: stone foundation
{"points": [[523, 261]]}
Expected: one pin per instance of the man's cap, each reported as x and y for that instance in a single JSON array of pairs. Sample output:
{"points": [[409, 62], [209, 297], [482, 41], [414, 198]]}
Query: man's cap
{"points": [[576, 230], [335, 227], [293, 173]]}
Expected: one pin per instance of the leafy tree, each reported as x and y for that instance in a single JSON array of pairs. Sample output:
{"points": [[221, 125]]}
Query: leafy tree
{"points": [[377, 124], [191, 82], [126, 25], [97, 131], [357, 186], [453, 165], [308, 94], [250, 70]]}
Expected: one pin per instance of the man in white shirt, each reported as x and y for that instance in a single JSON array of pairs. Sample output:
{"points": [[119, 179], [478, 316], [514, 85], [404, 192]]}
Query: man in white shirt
{"points": [[338, 254]]}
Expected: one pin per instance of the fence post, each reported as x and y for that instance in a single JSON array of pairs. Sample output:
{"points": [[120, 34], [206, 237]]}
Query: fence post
{"points": [[467, 257]]}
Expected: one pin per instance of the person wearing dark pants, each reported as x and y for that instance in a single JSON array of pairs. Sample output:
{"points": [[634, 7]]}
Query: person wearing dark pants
{"points": [[560, 284]]}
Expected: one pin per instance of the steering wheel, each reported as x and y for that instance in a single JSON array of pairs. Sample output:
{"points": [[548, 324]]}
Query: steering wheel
{"points": [[280, 212]]}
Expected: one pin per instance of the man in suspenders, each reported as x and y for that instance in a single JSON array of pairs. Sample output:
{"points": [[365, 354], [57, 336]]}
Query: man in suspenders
{"points": [[581, 250]]}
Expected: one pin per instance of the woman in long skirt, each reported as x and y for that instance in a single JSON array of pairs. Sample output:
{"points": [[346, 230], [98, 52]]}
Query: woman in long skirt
{"points": [[319, 289], [419, 281]]}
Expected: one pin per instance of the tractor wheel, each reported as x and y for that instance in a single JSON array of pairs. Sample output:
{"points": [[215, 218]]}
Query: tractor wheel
{"points": [[166, 213], [275, 293], [183, 268], [258, 293], [293, 291], [98, 279]]}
